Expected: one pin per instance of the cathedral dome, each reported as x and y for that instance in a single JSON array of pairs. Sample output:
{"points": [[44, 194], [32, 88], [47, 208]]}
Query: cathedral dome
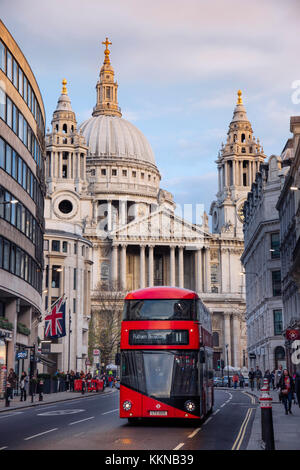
{"points": [[113, 136]]}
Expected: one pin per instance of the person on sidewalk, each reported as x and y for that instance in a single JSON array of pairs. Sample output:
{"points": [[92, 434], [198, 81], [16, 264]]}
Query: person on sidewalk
{"points": [[251, 376], [297, 386], [278, 375], [286, 385], [273, 379], [24, 381], [242, 380], [235, 380], [268, 376], [12, 380], [258, 376]]}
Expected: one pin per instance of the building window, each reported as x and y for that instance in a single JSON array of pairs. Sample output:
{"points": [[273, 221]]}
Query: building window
{"points": [[114, 172], [55, 281], [243, 150], [74, 305], [75, 248], [142, 176], [216, 341], [93, 172], [55, 245], [275, 245], [276, 283], [65, 247], [75, 279], [277, 315], [124, 172], [103, 172], [134, 174]]}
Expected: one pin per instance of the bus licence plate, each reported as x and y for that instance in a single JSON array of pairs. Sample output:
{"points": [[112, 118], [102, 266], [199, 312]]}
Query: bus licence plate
{"points": [[158, 413]]}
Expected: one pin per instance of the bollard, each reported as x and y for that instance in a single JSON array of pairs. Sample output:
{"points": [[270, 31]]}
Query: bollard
{"points": [[41, 389], [7, 395], [267, 430]]}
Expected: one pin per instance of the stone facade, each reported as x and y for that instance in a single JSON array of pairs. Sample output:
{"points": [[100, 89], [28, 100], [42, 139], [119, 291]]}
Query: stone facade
{"points": [[261, 260], [129, 220], [288, 207]]}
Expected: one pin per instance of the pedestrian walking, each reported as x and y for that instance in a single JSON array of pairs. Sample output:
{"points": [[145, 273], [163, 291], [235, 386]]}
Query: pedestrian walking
{"points": [[251, 376], [242, 380], [273, 379], [268, 376], [278, 375], [235, 380], [297, 386], [24, 381], [258, 377], [12, 380], [67, 381], [286, 385], [72, 379]]}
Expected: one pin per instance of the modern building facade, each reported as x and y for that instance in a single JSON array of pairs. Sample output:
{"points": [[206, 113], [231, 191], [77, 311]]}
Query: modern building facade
{"points": [[288, 208], [22, 122], [261, 260]]}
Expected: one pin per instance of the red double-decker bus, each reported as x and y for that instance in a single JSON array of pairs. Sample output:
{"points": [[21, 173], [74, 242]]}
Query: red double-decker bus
{"points": [[166, 355]]}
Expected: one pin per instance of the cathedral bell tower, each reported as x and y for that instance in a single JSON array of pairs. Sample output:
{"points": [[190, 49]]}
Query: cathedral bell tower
{"points": [[66, 149], [238, 162], [107, 88]]}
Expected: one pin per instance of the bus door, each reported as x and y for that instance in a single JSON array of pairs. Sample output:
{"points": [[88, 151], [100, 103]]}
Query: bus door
{"points": [[201, 367]]}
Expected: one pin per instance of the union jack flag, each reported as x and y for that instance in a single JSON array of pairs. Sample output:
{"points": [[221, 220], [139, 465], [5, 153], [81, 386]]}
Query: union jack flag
{"points": [[55, 325]]}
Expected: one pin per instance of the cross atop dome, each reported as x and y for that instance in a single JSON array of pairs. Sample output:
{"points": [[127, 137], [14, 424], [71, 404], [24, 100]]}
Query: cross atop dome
{"points": [[239, 101], [107, 51]]}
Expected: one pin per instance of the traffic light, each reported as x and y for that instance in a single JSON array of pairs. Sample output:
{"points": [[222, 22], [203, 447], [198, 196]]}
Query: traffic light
{"points": [[222, 364], [219, 364]]}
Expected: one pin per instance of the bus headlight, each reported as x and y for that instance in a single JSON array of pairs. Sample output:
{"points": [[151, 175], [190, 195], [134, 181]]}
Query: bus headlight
{"points": [[189, 405], [127, 405]]}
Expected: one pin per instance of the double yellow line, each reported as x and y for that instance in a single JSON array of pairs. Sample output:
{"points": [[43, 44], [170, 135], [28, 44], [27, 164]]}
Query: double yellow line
{"points": [[241, 434]]}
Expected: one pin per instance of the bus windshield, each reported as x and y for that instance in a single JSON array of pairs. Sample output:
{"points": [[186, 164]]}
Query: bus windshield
{"points": [[161, 374], [160, 309]]}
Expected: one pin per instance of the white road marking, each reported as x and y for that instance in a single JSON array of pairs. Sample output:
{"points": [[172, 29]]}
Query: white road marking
{"points": [[217, 411], [223, 405], [14, 413], [194, 433], [86, 419], [208, 420], [111, 411], [179, 446], [2, 448], [40, 434], [60, 412]]}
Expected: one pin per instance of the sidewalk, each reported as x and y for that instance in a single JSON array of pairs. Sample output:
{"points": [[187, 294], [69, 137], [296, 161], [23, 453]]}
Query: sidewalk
{"points": [[16, 404], [286, 427]]}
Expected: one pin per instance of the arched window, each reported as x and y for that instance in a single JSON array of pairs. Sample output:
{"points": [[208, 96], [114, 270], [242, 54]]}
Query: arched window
{"points": [[216, 341], [65, 130], [234, 137], [56, 127], [243, 138]]}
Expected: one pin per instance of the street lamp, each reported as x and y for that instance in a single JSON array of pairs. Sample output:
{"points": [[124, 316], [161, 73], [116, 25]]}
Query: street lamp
{"points": [[294, 188], [226, 346], [13, 201]]}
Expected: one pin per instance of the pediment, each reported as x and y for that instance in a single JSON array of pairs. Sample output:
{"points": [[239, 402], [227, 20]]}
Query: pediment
{"points": [[161, 224]]}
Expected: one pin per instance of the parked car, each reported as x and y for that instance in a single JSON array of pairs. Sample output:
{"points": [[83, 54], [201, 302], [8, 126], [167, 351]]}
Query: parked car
{"points": [[217, 381]]}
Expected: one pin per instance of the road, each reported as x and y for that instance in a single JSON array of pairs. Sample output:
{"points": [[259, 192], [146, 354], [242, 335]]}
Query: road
{"points": [[93, 423]]}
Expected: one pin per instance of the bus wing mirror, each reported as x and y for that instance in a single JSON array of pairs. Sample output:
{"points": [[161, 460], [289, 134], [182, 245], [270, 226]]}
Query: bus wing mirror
{"points": [[202, 357]]}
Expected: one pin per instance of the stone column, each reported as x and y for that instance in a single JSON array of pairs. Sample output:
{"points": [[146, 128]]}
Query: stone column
{"points": [[236, 336], [142, 266], [123, 267], [114, 263], [172, 265], [180, 267], [109, 215], [227, 337], [151, 265], [241, 173], [122, 212], [207, 279], [59, 165], [226, 174], [198, 273]]}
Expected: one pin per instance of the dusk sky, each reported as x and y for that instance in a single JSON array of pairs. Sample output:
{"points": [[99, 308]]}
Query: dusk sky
{"points": [[178, 65]]}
